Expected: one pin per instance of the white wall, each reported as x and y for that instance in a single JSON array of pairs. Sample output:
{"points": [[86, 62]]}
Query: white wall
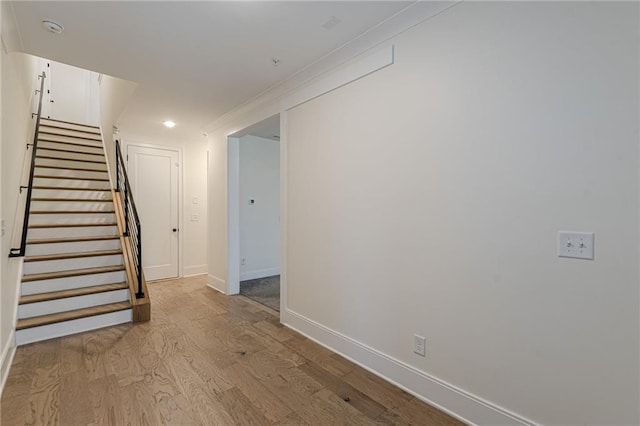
{"points": [[194, 185], [114, 95], [19, 79], [426, 198], [260, 222]]}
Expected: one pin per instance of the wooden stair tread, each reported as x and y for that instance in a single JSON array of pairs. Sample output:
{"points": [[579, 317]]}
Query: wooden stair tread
{"points": [[69, 136], [71, 315], [69, 122], [76, 169], [77, 160], [73, 239], [61, 256], [71, 188], [64, 294], [71, 273], [68, 129], [69, 143], [71, 225], [73, 200], [72, 151], [72, 212], [71, 178]]}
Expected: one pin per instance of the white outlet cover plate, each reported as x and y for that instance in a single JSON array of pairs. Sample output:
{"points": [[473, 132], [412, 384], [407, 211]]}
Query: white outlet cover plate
{"points": [[419, 345], [576, 245]]}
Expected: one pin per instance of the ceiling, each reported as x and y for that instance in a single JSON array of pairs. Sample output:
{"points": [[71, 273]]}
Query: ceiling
{"points": [[194, 61]]}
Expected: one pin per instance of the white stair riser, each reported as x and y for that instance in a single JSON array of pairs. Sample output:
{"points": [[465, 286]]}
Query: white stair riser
{"points": [[70, 139], [88, 231], [71, 183], [71, 303], [66, 328], [58, 284], [77, 218], [71, 264], [52, 206], [70, 126], [45, 127], [70, 173], [60, 219], [75, 247], [58, 193], [62, 162], [43, 144], [67, 155]]}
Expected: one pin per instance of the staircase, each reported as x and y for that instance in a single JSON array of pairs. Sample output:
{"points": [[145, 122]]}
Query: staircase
{"points": [[74, 273]]}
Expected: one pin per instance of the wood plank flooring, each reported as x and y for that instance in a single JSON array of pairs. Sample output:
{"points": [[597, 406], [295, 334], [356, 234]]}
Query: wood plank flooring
{"points": [[203, 359]]}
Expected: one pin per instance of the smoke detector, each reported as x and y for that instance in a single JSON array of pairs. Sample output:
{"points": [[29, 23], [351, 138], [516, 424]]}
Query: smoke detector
{"points": [[53, 27]]}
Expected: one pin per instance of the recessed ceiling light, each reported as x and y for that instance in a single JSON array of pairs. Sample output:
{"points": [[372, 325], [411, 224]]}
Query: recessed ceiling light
{"points": [[53, 27], [169, 124]]}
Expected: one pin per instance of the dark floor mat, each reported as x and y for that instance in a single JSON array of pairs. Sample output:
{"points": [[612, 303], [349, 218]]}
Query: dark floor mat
{"points": [[263, 290]]}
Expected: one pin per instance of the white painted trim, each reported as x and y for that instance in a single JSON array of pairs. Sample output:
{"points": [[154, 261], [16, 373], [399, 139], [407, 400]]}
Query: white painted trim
{"points": [[270, 101], [217, 284], [66, 328], [284, 170], [190, 271], [181, 192], [438, 393], [233, 215], [8, 352], [259, 273], [355, 71]]}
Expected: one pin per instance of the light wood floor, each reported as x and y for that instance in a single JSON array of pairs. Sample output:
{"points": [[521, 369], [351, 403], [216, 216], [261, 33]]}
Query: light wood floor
{"points": [[204, 358]]}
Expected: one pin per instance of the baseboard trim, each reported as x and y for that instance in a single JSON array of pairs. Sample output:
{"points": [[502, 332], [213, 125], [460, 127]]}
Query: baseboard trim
{"points": [[216, 283], [6, 359], [438, 393], [259, 273], [190, 271]]}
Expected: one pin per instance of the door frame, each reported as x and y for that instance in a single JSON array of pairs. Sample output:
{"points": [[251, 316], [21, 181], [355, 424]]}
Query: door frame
{"points": [[126, 142], [233, 212]]}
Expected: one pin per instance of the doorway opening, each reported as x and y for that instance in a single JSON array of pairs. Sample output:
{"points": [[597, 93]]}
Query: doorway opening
{"points": [[254, 212]]}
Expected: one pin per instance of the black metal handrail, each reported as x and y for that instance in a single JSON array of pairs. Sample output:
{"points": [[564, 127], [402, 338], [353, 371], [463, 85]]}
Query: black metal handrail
{"points": [[131, 218], [19, 252]]}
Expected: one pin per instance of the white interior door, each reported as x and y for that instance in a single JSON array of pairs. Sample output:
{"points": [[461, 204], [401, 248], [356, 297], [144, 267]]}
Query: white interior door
{"points": [[154, 181]]}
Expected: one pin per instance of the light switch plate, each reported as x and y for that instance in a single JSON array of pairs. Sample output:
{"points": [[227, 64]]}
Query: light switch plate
{"points": [[194, 218], [577, 245], [194, 200]]}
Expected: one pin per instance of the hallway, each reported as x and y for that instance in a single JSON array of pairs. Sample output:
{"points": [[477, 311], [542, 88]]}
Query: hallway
{"points": [[204, 358]]}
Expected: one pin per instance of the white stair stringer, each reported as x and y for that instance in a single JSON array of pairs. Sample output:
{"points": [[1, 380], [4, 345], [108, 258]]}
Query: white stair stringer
{"points": [[74, 275]]}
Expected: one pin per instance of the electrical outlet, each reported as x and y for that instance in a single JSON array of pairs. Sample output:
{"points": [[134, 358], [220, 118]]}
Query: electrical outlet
{"points": [[419, 345], [194, 200], [243, 261]]}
